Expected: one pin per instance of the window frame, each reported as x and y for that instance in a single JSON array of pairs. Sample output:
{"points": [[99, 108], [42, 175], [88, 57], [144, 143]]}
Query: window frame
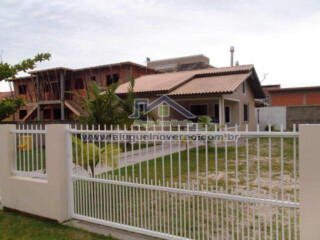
{"points": [[54, 112], [48, 110], [159, 110], [24, 87], [23, 110], [110, 79], [214, 110], [229, 107], [203, 104], [244, 90], [245, 121], [76, 86]]}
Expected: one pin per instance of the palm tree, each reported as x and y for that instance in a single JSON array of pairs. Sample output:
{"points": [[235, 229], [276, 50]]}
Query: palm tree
{"points": [[91, 155], [104, 108]]}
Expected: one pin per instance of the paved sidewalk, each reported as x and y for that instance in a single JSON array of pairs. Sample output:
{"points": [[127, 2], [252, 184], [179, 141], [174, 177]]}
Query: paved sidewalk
{"points": [[107, 231]]}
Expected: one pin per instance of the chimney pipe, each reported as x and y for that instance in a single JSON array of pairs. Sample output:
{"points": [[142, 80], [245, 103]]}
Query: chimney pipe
{"points": [[231, 51]]}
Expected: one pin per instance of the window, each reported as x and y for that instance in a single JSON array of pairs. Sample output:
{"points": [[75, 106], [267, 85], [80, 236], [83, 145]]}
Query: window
{"points": [[109, 80], [93, 78], [67, 85], [199, 110], [227, 114], [216, 111], [56, 114], [114, 78], [143, 116], [22, 89], [22, 114], [46, 87], [78, 84], [245, 112], [163, 111], [243, 87], [47, 114]]}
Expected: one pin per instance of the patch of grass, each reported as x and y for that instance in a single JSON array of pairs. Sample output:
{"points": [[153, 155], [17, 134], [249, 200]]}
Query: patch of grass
{"points": [[18, 226], [194, 161], [32, 160], [218, 167]]}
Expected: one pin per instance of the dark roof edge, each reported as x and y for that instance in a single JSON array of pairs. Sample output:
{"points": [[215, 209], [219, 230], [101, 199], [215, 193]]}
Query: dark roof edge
{"points": [[177, 58], [93, 67], [272, 85]]}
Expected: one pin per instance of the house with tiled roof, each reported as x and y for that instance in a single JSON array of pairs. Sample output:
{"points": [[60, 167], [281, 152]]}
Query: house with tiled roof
{"points": [[47, 92], [225, 94]]}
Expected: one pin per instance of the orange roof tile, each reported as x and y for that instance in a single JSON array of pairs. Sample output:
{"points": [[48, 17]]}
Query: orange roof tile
{"points": [[169, 81], [215, 84]]}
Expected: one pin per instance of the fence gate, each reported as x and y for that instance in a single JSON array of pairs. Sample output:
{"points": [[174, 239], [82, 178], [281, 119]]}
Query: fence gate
{"points": [[183, 183]]}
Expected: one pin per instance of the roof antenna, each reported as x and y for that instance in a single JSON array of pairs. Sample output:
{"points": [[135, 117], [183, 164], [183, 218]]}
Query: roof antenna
{"points": [[231, 51], [264, 77]]}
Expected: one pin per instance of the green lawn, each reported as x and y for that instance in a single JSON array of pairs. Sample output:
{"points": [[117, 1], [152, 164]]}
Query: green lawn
{"points": [[181, 159], [196, 160], [31, 160], [18, 226]]}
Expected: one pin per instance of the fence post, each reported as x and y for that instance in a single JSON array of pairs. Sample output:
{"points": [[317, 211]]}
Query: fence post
{"points": [[69, 167], [7, 157], [57, 167], [309, 150]]}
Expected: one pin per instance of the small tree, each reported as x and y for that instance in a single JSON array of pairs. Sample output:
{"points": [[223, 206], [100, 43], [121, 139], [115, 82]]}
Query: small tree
{"points": [[104, 107], [9, 106], [90, 155], [7, 71]]}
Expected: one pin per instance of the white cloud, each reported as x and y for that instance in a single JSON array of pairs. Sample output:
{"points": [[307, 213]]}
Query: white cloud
{"points": [[278, 37]]}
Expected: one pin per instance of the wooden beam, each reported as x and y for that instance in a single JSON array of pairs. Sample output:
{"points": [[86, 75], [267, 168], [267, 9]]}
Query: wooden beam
{"points": [[39, 98], [62, 79], [99, 78], [86, 81], [49, 102]]}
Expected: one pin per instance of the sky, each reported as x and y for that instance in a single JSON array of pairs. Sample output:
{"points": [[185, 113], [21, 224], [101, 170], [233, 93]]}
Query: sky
{"points": [[281, 38]]}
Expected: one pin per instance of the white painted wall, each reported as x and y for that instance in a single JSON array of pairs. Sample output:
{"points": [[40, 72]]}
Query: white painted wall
{"points": [[276, 116], [42, 197]]}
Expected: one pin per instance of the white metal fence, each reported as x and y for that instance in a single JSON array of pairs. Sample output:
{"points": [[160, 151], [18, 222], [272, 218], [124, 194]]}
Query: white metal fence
{"points": [[183, 184], [29, 145]]}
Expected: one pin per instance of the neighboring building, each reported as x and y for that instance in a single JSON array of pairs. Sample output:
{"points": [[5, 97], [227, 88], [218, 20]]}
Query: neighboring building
{"points": [[226, 94], [47, 92], [179, 64], [289, 106], [266, 89], [299, 96], [4, 95]]}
